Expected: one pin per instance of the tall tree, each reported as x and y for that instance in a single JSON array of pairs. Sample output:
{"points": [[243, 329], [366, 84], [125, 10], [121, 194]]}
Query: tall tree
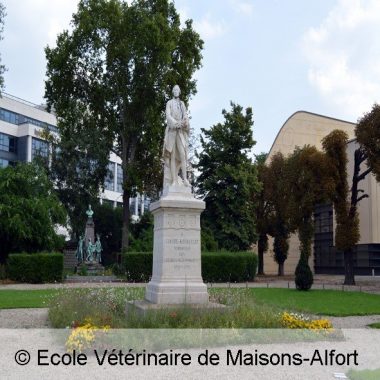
{"points": [[347, 233], [228, 180], [29, 210], [108, 81], [263, 210], [310, 183], [278, 188]]}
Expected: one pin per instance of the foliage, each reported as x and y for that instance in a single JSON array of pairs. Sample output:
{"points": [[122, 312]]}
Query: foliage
{"points": [[228, 180], [107, 307], [108, 81], [229, 266], [108, 223], [277, 186], [141, 239], [263, 210], [3, 274], [208, 242], [2, 67], [367, 133], [137, 266], [35, 267], [304, 275], [300, 321], [29, 210], [216, 266]]}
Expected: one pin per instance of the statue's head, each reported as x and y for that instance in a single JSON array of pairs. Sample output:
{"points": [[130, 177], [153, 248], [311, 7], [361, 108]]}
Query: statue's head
{"points": [[176, 91]]}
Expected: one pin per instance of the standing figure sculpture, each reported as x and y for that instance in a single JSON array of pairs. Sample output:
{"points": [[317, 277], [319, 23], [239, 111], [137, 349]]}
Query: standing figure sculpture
{"points": [[175, 151], [98, 249], [90, 251], [79, 253]]}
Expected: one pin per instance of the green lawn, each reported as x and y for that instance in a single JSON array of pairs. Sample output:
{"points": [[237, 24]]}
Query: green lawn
{"points": [[375, 325], [14, 299], [324, 302], [364, 375]]}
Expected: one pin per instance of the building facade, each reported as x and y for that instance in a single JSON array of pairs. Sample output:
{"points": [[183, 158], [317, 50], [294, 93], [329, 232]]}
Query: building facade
{"points": [[306, 128], [21, 127]]}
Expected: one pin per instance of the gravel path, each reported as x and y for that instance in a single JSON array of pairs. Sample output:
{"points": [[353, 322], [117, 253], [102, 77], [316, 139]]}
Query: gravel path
{"points": [[24, 318]]}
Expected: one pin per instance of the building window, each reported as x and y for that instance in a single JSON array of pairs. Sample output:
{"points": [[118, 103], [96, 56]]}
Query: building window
{"points": [[8, 143], [119, 204], [9, 116], [109, 180], [40, 148], [4, 163], [119, 179]]}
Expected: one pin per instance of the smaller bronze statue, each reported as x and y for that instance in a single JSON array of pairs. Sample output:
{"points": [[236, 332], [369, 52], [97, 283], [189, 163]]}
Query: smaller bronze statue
{"points": [[98, 249]]}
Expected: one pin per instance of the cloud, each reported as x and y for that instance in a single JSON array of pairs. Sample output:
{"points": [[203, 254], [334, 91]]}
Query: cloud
{"points": [[209, 29], [343, 54], [242, 7]]}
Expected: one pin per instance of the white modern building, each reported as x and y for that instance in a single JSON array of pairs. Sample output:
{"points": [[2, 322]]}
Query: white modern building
{"points": [[21, 127]]}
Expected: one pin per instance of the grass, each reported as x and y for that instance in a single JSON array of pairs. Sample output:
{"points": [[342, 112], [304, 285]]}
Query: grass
{"points": [[322, 302], [15, 299], [375, 325], [364, 375]]}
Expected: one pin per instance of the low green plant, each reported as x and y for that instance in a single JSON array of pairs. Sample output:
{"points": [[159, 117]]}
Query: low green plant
{"points": [[364, 374], [216, 266], [304, 276], [82, 270], [35, 267]]}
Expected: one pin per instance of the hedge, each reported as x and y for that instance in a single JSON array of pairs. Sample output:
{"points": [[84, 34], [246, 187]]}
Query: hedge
{"points": [[216, 266], [35, 267]]}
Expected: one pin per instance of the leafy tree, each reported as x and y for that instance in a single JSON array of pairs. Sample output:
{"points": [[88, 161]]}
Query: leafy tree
{"points": [[2, 67], [310, 184], [108, 81], [278, 189], [228, 180], [347, 233], [108, 223], [29, 210], [263, 211], [142, 234], [347, 197]]}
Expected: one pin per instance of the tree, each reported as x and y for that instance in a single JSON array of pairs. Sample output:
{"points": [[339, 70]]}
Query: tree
{"points": [[347, 233], [108, 81], [263, 211], [278, 190], [2, 67], [228, 180], [29, 210], [310, 184]]}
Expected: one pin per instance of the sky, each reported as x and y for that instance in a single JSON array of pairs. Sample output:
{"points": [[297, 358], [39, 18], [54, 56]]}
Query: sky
{"points": [[276, 56]]}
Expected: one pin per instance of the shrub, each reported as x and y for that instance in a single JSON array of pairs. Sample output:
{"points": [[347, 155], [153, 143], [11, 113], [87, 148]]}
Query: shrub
{"points": [[216, 266], [229, 266], [304, 276], [36, 267]]}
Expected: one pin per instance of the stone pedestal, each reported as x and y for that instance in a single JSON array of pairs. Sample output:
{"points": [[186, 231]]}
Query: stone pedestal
{"points": [[90, 231], [177, 277]]}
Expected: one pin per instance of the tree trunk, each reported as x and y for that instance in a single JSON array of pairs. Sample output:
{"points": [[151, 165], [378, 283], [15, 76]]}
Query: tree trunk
{"points": [[281, 269], [126, 219], [261, 244], [349, 277]]}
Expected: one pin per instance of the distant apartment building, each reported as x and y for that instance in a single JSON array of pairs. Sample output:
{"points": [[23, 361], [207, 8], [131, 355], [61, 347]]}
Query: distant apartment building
{"points": [[306, 128], [21, 126]]}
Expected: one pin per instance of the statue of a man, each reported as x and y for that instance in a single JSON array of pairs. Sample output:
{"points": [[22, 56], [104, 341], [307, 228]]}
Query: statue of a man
{"points": [[89, 212], [175, 151], [98, 249], [79, 253]]}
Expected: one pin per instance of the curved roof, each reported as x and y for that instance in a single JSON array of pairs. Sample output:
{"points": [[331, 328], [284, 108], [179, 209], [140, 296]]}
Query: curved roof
{"points": [[307, 128]]}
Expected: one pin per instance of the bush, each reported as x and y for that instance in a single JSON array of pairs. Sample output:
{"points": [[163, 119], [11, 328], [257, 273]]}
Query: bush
{"points": [[304, 276], [229, 266], [216, 266], [35, 268]]}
